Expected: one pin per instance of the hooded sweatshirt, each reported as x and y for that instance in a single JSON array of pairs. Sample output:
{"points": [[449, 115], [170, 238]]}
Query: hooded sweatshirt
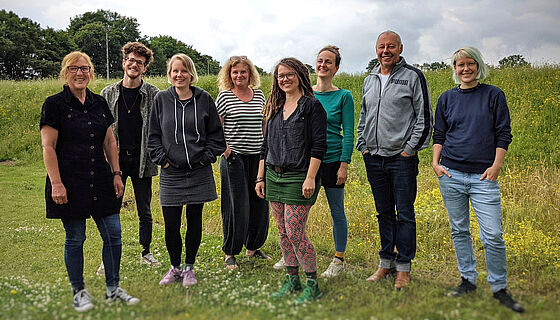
{"points": [[187, 135], [397, 118]]}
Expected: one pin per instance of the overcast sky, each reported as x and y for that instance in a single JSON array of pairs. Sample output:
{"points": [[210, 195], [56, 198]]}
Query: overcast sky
{"points": [[267, 31]]}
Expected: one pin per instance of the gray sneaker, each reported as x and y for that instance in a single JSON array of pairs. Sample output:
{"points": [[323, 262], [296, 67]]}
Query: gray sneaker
{"points": [[281, 264], [120, 294], [101, 270], [82, 301], [148, 259], [335, 268]]}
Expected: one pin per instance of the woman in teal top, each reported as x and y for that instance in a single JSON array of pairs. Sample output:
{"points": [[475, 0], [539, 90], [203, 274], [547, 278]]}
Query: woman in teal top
{"points": [[339, 105]]}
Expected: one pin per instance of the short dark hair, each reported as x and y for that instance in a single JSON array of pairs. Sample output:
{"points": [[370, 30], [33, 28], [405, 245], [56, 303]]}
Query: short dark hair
{"points": [[140, 49]]}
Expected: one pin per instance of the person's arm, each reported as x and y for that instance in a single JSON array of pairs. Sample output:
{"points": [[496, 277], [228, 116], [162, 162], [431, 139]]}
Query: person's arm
{"points": [[112, 156], [360, 140], [422, 129], [227, 152], [215, 141], [259, 183], [493, 172], [155, 145], [49, 137], [436, 154], [347, 138], [308, 186]]}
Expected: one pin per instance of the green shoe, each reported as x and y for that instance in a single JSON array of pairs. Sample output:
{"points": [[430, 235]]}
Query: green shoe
{"points": [[290, 285], [310, 293]]}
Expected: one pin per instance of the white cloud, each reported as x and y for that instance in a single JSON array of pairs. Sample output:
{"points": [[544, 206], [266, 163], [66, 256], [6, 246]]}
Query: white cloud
{"points": [[266, 31]]}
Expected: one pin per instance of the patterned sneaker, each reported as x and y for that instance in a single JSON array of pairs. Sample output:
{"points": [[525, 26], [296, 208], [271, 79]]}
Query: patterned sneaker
{"points": [[310, 293], [149, 260], [101, 270], [172, 276], [82, 301], [281, 264], [335, 268], [120, 294], [291, 284], [189, 279]]}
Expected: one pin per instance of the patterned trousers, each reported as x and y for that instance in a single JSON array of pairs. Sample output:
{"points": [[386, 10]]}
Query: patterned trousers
{"points": [[296, 247]]}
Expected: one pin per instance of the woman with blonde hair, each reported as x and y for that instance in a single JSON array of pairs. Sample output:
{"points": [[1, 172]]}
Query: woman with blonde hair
{"points": [[244, 215], [294, 145], [472, 133], [83, 175], [185, 137]]}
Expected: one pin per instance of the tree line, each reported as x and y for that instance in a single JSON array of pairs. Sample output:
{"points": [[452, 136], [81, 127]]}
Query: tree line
{"points": [[28, 51]]}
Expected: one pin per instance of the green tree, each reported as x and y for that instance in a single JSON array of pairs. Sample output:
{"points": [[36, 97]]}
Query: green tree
{"points": [[164, 47], [90, 30], [372, 64], [515, 60], [310, 68]]}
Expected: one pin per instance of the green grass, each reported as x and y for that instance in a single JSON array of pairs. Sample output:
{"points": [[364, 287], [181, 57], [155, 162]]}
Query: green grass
{"points": [[34, 285]]}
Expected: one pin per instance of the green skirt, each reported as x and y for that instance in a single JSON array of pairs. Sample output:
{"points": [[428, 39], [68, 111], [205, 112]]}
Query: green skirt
{"points": [[286, 187]]}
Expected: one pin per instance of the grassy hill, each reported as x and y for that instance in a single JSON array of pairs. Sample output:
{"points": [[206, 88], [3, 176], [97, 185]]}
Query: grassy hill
{"points": [[33, 282]]}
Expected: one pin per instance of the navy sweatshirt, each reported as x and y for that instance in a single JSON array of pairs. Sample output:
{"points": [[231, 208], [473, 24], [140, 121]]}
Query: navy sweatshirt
{"points": [[470, 124]]}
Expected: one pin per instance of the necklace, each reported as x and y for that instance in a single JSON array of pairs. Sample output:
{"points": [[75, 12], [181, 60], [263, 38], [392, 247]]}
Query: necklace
{"points": [[124, 100]]}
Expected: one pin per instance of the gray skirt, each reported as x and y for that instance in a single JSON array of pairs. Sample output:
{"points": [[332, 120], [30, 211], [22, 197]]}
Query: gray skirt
{"points": [[178, 187]]}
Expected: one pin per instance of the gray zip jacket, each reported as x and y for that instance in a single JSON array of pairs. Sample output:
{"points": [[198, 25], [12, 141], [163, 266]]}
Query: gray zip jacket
{"points": [[397, 119], [147, 93]]}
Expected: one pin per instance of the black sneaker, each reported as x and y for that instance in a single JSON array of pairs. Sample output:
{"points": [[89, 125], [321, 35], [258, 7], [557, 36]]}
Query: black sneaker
{"points": [[464, 288], [505, 298]]}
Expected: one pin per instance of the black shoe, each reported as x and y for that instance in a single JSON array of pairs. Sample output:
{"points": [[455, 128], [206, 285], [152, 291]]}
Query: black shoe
{"points": [[505, 298], [464, 288]]}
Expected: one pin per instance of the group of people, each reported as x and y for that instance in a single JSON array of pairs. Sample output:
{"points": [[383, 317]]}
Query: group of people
{"points": [[275, 154]]}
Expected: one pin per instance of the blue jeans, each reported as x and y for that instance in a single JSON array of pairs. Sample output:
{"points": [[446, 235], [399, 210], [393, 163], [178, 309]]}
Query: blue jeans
{"points": [[393, 184], [335, 197], [110, 230], [485, 199]]}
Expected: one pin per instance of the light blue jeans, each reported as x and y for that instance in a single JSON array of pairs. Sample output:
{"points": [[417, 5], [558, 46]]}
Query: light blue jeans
{"points": [[485, 199], [335, 197]]}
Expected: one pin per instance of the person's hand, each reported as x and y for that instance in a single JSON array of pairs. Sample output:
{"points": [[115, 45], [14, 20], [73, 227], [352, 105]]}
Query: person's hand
{"points": [[166, 165], [342, 174], [365, 152], [59, 194], [308, 188], [118, 185], [440, 170], [227, 153], [491, 173], [259, 189], [404, 154]]}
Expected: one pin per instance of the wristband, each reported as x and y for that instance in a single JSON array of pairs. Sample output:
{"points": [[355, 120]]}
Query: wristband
{"points": [[259, 180], [117, 173]]}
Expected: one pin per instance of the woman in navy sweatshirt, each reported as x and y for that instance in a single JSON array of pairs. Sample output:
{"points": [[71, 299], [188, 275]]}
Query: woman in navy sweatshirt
{"points": [[471, 136]]}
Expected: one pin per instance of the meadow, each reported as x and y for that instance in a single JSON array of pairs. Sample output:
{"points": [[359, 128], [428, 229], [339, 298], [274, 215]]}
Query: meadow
{"points": [[34, 285]]}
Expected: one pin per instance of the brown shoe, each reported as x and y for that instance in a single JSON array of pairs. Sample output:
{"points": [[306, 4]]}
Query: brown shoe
{"points": [[381, 273], [402, 280]]}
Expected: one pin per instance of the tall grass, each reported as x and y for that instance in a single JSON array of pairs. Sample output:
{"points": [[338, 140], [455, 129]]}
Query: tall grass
{"points": [[33, 282]]}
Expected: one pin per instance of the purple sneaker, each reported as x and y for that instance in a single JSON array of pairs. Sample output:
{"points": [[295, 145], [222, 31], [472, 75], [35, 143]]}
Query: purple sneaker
{"points": [[189, 278], [172, 276]]}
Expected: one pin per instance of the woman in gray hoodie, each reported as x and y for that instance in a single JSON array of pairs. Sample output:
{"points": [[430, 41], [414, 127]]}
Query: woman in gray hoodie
{"points": [[185, 138]]}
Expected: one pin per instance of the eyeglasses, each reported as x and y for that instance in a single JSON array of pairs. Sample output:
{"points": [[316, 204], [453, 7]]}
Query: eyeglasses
{"points": [[74, 69], [132, 61], [288, 76]]}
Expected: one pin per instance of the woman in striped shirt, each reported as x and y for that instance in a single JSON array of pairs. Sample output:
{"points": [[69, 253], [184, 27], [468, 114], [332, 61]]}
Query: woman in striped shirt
{"points": [[240, 105]]}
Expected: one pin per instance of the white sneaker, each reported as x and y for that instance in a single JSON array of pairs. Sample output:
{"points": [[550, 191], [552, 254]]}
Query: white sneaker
{"points": [[149, 260], [101, 270], [281, 264], [82, 301], [120, 294], [335, 268]]}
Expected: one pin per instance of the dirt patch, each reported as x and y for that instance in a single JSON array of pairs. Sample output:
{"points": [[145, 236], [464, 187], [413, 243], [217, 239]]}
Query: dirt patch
{"points": [[8, 163]]}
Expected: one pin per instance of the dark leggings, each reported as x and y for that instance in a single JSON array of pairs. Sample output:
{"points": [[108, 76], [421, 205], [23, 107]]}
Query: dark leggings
{"points": [[172, 218]]}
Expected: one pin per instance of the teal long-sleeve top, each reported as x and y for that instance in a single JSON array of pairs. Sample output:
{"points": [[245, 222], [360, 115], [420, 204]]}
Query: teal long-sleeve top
{"points": [[339, 106]]}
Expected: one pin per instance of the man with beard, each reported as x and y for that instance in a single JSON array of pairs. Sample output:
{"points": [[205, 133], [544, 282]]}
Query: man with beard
{"points": [[395, 123], [130, 101]]}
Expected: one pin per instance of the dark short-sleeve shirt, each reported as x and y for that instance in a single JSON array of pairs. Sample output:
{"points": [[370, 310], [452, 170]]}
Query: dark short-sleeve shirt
{"points": [[85, 173]]}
